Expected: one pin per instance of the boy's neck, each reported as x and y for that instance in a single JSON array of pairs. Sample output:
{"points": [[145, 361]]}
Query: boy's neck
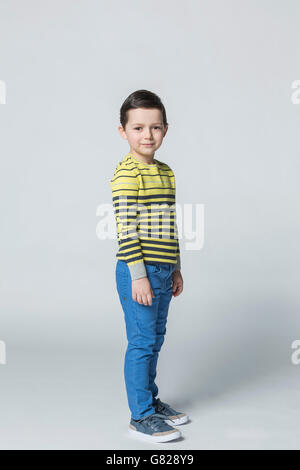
{"points": [[149, 160]]}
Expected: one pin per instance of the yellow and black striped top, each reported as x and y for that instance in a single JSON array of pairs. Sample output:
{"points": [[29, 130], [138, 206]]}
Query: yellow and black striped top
{"points": [[144, 205]]}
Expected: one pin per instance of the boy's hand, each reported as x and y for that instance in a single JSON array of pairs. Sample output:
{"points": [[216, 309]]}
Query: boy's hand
{"points": [[177, 283], [142, 291]]}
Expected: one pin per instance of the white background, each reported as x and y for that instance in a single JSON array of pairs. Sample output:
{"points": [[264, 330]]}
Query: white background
{"points": [[224, 71]]}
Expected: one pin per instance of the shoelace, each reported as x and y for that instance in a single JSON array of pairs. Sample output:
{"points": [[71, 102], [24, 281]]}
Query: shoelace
{"points": [[155, 418], [164, 407]]}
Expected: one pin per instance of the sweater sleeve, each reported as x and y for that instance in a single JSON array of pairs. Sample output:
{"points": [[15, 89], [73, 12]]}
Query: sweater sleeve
{"points": [[178, 263], [125, 187]]}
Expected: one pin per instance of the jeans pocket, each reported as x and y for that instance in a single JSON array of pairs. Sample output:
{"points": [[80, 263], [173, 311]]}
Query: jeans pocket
{"points": [[153, 268]]}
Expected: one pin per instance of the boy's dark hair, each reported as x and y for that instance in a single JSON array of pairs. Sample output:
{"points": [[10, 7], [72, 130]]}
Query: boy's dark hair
{"points": [[141, 99]]}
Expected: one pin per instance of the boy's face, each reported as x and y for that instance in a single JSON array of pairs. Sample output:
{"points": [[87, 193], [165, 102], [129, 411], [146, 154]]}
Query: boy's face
{"points": [[144, 126]]}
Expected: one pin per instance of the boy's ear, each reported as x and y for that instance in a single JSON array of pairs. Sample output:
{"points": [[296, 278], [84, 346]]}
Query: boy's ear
{"points": [[122, 132], [165, 129]]}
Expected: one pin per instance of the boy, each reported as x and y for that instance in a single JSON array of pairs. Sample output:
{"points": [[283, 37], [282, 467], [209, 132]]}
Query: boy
{"points": [[148, 266]]}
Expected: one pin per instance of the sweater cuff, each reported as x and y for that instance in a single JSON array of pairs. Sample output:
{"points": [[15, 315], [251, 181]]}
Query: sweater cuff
{"points": [[178, 264], [137, 270]]}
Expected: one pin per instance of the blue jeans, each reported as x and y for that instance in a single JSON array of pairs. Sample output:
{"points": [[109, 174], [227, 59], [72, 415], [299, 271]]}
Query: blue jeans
{"points": [[145, 330]]}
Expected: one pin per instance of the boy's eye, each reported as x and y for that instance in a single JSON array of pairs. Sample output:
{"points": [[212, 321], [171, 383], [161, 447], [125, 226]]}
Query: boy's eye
{"points": [[155, 127]]}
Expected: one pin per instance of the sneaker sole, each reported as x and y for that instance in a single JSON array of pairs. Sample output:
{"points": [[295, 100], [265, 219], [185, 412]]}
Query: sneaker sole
{"points": [[148, 437], [177, 421]]}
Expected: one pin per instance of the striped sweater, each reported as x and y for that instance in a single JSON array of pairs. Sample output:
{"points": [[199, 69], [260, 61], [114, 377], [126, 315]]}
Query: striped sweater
{"points": [[144, 205]]}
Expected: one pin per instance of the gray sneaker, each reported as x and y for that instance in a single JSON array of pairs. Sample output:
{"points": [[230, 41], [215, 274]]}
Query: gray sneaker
{"points": [[153, 428], [171, 416]]}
